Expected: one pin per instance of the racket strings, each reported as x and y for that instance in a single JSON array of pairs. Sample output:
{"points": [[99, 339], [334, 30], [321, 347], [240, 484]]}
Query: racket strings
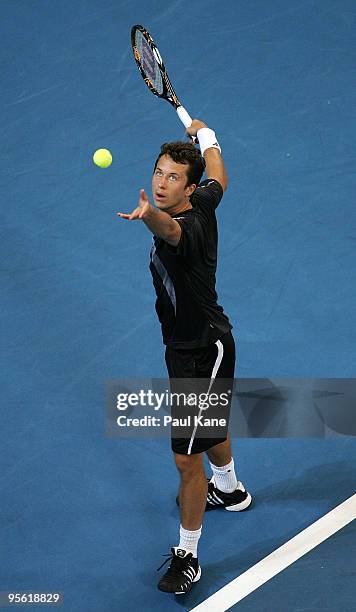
{"points": [[148, 62]]}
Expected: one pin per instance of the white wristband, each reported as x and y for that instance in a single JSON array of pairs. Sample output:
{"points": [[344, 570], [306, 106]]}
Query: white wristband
{"points": [[207, 140]]}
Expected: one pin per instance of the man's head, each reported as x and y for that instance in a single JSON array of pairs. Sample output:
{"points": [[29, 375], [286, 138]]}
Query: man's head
{"points": [[177, 172]]}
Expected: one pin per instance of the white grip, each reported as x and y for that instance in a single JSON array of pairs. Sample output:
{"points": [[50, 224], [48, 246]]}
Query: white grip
{"points": [[184, 116]]}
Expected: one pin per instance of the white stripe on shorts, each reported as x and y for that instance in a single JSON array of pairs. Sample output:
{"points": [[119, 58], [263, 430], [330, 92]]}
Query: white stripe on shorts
{"points": [[216, 367]]}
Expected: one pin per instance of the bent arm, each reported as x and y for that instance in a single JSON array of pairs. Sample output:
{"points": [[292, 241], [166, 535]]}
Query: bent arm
{"points": [[215, 167]]}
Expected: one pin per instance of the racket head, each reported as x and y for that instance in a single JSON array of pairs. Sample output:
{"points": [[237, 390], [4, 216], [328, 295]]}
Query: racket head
{"points": [[151, 66]]}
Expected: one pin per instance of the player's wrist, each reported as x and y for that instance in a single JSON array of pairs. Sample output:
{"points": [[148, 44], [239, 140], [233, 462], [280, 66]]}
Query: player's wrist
{"points": [[207, 140], [198, 125]]}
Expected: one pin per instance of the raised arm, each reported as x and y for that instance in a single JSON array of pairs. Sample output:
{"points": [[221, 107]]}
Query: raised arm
{"points": [[215, 167]]}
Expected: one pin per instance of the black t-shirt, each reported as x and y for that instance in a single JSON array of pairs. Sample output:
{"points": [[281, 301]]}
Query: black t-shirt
{"points": [[184, 276]]}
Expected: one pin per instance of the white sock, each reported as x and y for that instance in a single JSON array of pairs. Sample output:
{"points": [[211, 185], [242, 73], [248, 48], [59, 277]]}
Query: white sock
{"points": [[189, 540], [225, 477]]}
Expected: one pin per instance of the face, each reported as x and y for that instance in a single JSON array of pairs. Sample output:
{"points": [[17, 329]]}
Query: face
{"points": [[169, 185]]}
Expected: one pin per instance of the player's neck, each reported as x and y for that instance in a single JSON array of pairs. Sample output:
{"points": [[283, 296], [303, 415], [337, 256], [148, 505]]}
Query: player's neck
{"points": [[175, 210]]}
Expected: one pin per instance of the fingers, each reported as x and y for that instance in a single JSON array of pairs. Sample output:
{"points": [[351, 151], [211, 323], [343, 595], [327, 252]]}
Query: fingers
{"points": [[196, 125], [130, 217], [191, 131], [143, 195], [139, 211], [136, 214]]}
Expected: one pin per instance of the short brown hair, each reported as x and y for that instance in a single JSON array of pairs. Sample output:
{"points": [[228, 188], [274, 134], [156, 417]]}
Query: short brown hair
{"points": [[185, 153]]}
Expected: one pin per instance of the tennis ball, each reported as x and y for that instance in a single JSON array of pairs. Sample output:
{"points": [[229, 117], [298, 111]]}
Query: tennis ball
{"points": [[102, 158]]}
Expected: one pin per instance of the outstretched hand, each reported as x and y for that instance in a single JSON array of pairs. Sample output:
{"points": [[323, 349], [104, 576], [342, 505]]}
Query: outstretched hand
{"points": [[140, 210]]}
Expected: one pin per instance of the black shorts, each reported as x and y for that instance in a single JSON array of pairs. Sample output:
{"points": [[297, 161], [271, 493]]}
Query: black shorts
{"points": [[216, 365]]}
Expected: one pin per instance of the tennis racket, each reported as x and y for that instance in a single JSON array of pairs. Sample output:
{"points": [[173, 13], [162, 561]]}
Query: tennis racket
{"points": [[153, 72]]}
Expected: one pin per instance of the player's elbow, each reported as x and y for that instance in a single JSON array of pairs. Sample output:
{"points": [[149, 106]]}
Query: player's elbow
{"points": [[225, 181], [220, 178], [224, 184]]}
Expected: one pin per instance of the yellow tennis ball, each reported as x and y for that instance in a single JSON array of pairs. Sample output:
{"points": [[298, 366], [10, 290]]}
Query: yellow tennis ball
{"points": [[102, 158]]}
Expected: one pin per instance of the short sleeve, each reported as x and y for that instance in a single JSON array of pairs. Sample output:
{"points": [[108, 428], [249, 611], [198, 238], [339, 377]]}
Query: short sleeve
{"points": [[208, 194], [191, 236]]}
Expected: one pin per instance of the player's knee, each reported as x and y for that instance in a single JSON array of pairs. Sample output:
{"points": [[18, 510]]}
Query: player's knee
{"points": [[187, 464]]}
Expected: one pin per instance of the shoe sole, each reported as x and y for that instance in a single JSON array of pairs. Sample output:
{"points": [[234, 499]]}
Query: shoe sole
{"points": [[235, 508], [197, 577], [240, 507]]}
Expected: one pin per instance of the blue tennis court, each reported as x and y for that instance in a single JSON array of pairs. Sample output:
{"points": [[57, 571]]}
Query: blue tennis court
{"points": [[91, 516]]}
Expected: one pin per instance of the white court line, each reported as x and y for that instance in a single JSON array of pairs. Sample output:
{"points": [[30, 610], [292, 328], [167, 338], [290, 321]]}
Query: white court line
{"points": [[280, 558]]}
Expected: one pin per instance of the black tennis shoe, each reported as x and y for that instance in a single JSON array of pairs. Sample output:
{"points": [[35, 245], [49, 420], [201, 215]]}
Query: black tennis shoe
{"points": [[182, 572], [236, 501]]}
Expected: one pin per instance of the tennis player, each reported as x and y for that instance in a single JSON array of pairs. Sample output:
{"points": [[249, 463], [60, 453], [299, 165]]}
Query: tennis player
{"points": [[195, 329]]}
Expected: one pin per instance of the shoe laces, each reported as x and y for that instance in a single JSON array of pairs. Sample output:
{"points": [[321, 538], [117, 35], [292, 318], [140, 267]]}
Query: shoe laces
{"points": [[177, 565]]}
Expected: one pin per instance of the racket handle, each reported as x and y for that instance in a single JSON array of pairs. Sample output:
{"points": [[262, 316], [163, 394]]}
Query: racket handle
{"points": [[185, 119], [184, 116]]}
